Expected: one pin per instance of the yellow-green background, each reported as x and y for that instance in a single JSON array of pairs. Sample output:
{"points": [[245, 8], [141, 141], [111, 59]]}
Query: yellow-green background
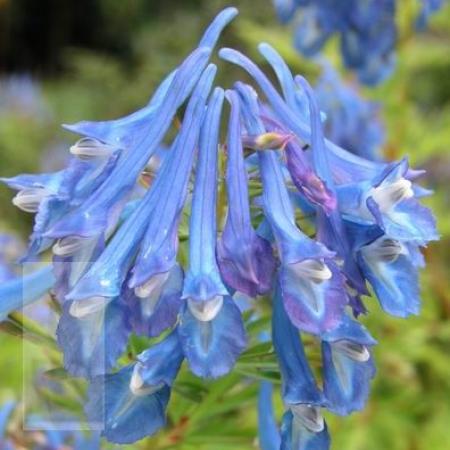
{"points": [[409, 408]]}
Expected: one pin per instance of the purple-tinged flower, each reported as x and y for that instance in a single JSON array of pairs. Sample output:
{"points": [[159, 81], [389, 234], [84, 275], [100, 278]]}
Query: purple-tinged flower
{"points": [[211, 327], [246, 259], [351, 121], [330, 227], [312, 286], [345, 166], [347, 366], [130, 404], [158, 309]]}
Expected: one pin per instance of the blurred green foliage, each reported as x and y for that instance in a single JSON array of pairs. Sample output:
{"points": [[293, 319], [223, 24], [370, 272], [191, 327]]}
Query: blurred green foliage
{"points": [[409, 408]]}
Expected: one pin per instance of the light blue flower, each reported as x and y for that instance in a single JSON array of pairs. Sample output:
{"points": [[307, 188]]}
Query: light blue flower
{"points": [[130, 404], [23, 290], [303, 426], [367, 32], [352, 121], [347, 366], [211, 328]]}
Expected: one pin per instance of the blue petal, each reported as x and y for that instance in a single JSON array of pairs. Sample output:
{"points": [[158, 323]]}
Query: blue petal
{"points": [[212, 33], [294, 436], [161, 363], [211, 348], [345, 165], [149, 319], [410, 221], [269, 435], [127, 131], [92, 344], [246, 260], [313, 307], [299, 385], [123, 417], [292, 243], [395, 283], [203, 280], [160, 244], [22, 291], [102, 209], [347, 379]]}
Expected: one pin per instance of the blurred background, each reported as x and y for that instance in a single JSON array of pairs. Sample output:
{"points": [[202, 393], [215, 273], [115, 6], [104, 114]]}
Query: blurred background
{"points": [[62, 61]]}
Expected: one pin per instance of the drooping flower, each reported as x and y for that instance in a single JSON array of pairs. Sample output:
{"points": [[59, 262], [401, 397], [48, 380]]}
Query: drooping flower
{"points": [[303, 425], [130, 404], [348, 366], [245, 259], [211, 328], [312, 286]]}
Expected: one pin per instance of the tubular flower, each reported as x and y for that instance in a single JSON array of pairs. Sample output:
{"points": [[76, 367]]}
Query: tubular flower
{"points": [[211, 328], [307, 223], [303, 425], [245, 259], [130, 404]]}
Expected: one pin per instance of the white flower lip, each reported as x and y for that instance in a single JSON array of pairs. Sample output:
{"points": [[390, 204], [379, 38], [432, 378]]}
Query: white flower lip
{"points": [[85, 307], [309, 416], [312, 269], [205, 311], [29, 199], [88, 148], [353, 350]]}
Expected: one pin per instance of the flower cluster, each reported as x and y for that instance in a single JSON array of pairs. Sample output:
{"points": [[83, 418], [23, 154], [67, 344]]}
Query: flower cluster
{"points": [[114, 216], [352, 121], [367, 31]]}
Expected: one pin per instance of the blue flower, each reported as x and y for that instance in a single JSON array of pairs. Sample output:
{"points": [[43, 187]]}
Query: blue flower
{"points": [[312, 288], [130, 404], [390, 267], [367, 32], [347, 366], [303, 426], [211, 328], [429, 7], [246, 260], [21, 291], [351, 121], [389, 201]]}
